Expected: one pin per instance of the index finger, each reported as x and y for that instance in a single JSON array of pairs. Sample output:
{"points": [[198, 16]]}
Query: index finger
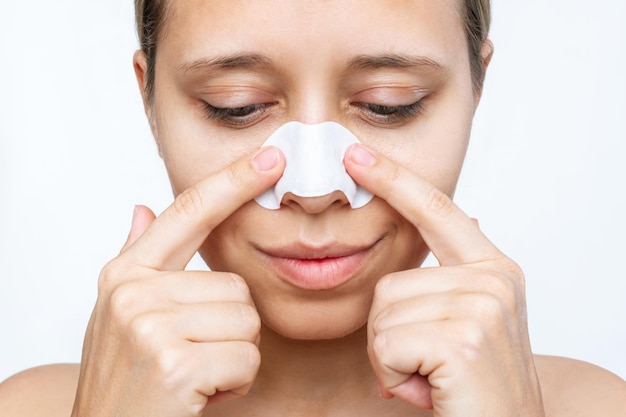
{"points": [[449, 233], [174, 237]]}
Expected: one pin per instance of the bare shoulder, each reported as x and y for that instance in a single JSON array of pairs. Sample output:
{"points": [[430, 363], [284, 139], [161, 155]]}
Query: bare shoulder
{"points": [[573, 388], [43, 391]]}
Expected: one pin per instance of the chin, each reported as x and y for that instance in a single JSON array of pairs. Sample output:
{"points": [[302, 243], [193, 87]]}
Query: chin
{"points": [[316, 321], [326, 331]]}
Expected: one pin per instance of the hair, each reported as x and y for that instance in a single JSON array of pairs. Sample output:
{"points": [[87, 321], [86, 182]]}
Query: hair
{"points": [[151, 15], [477, 20]]}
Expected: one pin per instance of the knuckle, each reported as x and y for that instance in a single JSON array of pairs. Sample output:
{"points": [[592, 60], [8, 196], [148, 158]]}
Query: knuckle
{"points": [[384, 288], [189, 203], [470, 344], [437, 202], [506, 285], [144, 327], [250, 355], [489, 308], [240, 290], [515, 273], [392, 175], [507, 292], [386, 353], [390, 181], [378, 323], [109, 276], [123, 299], [235, 175], [170, 365], [380, 347], [251, 320], [237, 283]]}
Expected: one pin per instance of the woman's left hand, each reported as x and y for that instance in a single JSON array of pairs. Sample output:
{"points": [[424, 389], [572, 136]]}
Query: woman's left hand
{"points": [[453, 338]]}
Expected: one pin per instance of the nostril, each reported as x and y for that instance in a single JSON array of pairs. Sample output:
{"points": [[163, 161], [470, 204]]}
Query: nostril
{"points": [[317, 204], [314, 166]]}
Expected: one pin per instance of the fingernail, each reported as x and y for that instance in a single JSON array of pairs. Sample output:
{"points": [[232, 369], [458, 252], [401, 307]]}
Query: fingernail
{"points": [[381, 390], [360, 155], [135, 211], [384, 394], [265, 159]]}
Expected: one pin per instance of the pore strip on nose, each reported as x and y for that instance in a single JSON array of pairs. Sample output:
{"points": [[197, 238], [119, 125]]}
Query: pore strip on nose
{"points": [[314, 164]]}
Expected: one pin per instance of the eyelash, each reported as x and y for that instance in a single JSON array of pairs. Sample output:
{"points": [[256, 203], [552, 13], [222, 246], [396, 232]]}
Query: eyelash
{"points": [[235, 116], [392, 114], [240, 116]]}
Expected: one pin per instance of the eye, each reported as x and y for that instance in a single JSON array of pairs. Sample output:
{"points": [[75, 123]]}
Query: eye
{"points": [[391, 114], [236, 116]]}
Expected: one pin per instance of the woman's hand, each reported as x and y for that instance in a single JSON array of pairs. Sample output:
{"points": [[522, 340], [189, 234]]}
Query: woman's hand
{"points": [[453, 338], [163, 341]]}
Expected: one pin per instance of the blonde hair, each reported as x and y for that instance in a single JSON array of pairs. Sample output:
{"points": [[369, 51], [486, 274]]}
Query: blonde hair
{"points": [[151, 15]]}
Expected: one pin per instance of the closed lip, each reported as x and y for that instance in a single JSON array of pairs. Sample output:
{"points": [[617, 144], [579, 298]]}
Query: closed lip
{"points": [[318, 267], [298, 250]]}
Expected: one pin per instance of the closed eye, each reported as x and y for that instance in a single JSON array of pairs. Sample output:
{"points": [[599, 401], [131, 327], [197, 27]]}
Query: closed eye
{"points": [[236, 116], [391, 114]]}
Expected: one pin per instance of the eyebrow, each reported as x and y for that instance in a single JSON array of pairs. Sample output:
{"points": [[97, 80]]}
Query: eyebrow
{"points": [[243, 61], [363, 62]]}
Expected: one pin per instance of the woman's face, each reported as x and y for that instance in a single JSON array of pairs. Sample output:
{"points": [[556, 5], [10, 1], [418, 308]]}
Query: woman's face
{"points": [[396, 73]]}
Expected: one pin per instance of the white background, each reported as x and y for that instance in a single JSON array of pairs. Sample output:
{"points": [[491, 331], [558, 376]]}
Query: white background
{"points": [[545, 173]]}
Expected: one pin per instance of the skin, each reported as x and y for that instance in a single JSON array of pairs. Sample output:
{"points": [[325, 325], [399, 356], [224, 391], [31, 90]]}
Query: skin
{"points": [[394, 339]]}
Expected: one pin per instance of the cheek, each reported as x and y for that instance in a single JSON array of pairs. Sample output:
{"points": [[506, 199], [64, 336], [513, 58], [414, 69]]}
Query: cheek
{"points": [[435, 154], [193, 148], [227, 247], [190, 155], [435, 146], [441, 159]]}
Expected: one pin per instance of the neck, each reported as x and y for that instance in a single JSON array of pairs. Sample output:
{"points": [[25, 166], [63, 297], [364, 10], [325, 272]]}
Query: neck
{"points": [[323, 372], [315, 379]]}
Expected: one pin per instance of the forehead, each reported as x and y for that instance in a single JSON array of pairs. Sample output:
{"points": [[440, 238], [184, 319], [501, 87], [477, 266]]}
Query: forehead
{"points": [[317, 31]]}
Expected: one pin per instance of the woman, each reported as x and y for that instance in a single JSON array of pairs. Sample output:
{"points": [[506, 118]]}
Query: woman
{"points": [[315, 308]]}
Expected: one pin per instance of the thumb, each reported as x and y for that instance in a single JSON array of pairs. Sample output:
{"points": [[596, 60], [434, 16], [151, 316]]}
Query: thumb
{"points": [[416, 390], [142, 219]]}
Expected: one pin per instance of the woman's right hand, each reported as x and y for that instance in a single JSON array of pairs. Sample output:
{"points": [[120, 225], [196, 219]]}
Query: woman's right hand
{"points": [[167, 342]]}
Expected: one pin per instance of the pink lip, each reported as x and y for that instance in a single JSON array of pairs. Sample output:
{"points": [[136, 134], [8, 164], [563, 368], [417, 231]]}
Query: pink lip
{"points": [[320, 268]]}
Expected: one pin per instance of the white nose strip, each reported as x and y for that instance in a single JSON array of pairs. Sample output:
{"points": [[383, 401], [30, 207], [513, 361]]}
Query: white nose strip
{"points": [[314, 156]]}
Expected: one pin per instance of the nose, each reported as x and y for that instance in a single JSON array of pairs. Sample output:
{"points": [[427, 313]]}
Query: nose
{"points": [[315, 205]]}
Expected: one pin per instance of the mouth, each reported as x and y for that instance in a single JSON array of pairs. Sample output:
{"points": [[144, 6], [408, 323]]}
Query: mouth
{"points": [[322, 267]]}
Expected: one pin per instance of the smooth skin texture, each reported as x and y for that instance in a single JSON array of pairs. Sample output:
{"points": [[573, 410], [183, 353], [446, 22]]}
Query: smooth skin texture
{"points": [[243, 340], [168, 382]]}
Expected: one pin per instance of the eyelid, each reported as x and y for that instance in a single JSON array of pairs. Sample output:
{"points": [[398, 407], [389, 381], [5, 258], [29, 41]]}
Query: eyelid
{"points": [[228, 117], [235, 93], [232, 100], [390, 115], [232, 110], [391, 95]]}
